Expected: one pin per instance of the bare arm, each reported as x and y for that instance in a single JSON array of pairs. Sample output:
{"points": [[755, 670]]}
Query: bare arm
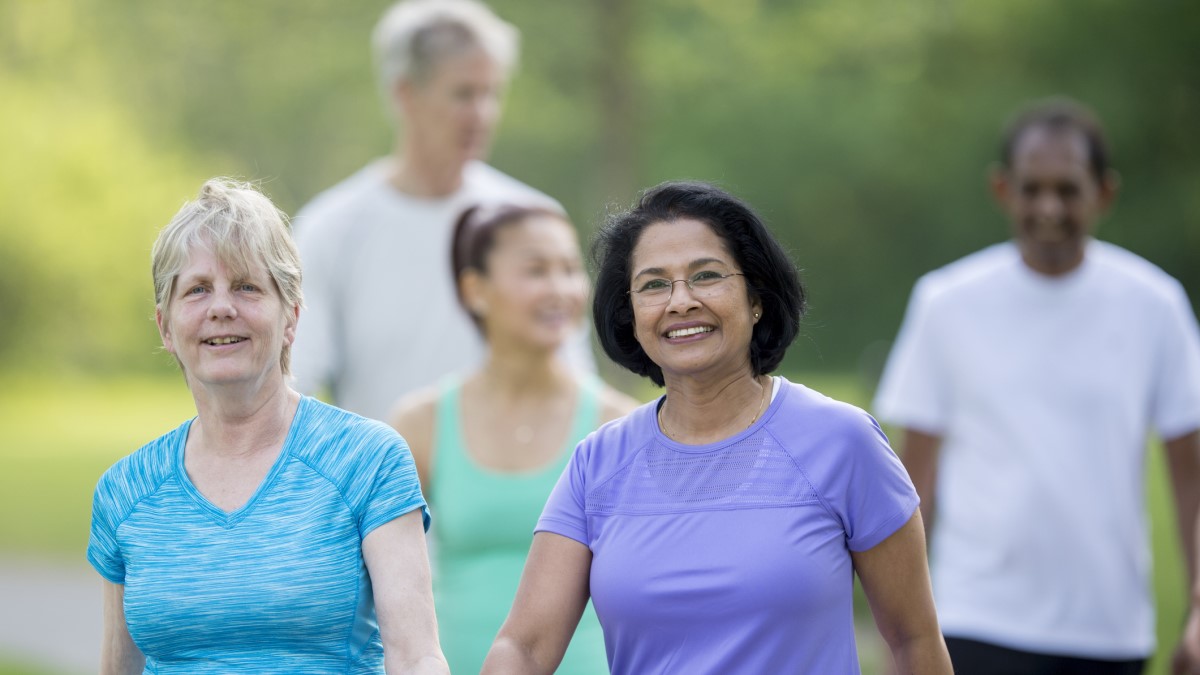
{"points": [[118, 654], [919, 453], [895, 577], [1183, 460], [551, 598], [397, 561]]}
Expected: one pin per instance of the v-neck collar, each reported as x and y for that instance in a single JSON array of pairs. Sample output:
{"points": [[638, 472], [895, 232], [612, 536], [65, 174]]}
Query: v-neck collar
{"points": [[229, 519]]}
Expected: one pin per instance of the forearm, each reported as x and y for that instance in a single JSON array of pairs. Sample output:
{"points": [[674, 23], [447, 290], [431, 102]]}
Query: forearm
{"points": [[922, 655], [509, 657], [1183, 458], [429, 664]]}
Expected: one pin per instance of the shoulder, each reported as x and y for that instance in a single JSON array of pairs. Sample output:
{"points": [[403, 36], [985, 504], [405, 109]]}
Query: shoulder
{"points": [[329, 210], [1135, 273], [616, 441], [490, 184], [414, 416], [139, 474], [334, 441], [614, 404], [977, 270], [820, 421]]}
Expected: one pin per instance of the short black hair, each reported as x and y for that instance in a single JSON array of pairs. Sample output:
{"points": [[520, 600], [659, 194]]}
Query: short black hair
{"points": [[1059, 114], [770, 274]]}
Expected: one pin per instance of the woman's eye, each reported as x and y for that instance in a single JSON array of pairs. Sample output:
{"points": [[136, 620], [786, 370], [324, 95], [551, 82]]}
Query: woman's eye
{"points": [[706, 275], [655, 285], [248, 288], [195, 290]]}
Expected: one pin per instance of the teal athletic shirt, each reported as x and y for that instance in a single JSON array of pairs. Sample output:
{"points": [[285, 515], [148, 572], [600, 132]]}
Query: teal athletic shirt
{"points": [[277, 586]]}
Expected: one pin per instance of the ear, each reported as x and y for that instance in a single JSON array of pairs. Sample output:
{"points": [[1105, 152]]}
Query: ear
{"points": [[1000, 186], [756, 309], [473, 286], [402, 92], [291, 318], [1109, 188], [164, 330]]}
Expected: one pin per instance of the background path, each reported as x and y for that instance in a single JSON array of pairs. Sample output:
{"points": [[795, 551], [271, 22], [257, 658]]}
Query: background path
{"points": [[50, 614]]}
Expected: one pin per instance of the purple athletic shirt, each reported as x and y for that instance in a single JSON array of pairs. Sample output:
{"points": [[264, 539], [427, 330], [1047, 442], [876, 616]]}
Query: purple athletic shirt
{"points": [[732, 557]]}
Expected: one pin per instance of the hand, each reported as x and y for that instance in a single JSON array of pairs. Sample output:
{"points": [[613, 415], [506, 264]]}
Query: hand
{"points": [[1187, 655]]}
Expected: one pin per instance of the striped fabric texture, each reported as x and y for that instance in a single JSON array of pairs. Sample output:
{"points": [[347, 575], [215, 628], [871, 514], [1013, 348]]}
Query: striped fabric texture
{"points": [[277, 586]]}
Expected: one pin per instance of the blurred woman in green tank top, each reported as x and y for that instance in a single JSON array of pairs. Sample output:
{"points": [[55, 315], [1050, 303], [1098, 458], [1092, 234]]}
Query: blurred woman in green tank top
{"points": [[490, 445]]}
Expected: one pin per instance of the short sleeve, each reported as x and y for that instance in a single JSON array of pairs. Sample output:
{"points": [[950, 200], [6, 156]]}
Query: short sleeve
{"points": [[1176, 407], [864, 484], [383, 484], [565, 513], [912, 392], [104, 551]]}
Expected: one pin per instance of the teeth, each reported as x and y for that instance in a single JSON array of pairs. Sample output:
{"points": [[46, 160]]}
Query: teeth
{"points": [[683, 332], [224, 340]]}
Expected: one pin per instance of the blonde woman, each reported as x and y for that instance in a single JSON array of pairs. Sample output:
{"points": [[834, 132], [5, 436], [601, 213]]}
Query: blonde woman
{"points": [[271, 532]]}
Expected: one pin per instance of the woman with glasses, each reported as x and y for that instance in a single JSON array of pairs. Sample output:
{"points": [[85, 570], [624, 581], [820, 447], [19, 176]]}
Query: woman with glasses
{"points": [[719, 528], [489, 446]]}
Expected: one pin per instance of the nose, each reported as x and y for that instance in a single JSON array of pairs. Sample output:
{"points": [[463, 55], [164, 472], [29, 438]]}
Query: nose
{"points": [[1048, 207], [681, 298], [221, 305]]}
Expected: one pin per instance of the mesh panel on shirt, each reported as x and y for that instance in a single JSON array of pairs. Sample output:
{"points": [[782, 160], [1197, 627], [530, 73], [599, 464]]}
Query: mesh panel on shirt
{"points": [[754, 472]]}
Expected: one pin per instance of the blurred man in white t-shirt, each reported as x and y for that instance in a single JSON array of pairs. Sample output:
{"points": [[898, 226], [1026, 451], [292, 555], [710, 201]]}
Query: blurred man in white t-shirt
{"points": [[1027, 378]]}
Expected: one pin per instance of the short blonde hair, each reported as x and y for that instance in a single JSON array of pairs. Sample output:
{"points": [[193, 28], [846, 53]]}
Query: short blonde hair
{"points": [[243, 229], [413, 36]]}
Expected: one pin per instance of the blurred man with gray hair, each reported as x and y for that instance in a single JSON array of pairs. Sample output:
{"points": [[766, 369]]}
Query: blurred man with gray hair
{"points": [[382, 319]]}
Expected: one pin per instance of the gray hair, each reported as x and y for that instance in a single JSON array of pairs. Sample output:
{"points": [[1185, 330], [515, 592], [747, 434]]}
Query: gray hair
{"points": [[243, 229], [414, 36]]}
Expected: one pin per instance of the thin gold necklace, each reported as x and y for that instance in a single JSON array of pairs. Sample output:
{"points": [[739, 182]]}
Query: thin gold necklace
{"points": [[757, 411]]}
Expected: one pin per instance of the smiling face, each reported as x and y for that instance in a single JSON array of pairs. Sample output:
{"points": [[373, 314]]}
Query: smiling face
{"points": [[453, 113], [691, 334], [534, 289], [1052, 198], [225, 327]]}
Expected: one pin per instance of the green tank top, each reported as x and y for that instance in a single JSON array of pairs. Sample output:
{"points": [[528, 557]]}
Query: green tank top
{"points": [[483, 525]]}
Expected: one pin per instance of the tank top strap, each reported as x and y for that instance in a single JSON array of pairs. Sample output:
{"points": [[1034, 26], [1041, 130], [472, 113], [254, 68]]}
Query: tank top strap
{"points": [[448, 447], [587, 411]]}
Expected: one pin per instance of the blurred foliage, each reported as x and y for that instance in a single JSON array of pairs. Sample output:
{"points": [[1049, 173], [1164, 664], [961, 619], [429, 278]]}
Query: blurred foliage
{"points": [[862, 129]]}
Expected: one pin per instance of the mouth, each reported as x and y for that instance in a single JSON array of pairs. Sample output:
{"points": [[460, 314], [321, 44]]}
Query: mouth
{"points": [[689, 331], [224, 340]]}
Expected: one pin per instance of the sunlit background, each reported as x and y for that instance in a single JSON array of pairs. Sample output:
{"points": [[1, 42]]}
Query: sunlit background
{"points": [[862, 129]]}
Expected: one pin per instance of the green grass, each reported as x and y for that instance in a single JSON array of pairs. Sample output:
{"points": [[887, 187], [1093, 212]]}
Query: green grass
{"points": [[16, 668], [58, 435]]}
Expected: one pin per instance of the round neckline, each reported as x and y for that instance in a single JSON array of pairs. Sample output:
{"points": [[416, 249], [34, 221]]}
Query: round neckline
{"points": [[763, 419]]}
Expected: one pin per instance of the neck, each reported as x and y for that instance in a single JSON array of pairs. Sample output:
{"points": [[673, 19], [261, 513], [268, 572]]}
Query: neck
{"points": [[419, 173], [700, 413], [515, 373], [237, 422]]}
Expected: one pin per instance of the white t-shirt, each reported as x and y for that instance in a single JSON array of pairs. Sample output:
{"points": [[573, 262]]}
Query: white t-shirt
{"points": [[1044, 391], [381, 318]]}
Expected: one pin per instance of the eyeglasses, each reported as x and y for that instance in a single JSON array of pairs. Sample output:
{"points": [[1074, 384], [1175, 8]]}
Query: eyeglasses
{"points": [[704, 284]]}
